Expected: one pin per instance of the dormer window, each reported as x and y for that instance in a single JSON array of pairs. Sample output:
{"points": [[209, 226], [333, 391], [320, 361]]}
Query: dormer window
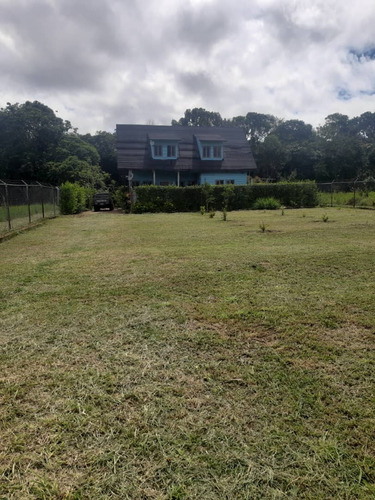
{"points": [[158, 150], [164, 149], [210, 147], [171, 151], [206, 150], [217, 151]]}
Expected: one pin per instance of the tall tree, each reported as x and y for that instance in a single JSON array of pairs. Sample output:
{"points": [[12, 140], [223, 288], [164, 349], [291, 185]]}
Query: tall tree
{"points": [[105, 144], [199, 117], [344, 154], [271, 158], [29, 134], [257, 126]]}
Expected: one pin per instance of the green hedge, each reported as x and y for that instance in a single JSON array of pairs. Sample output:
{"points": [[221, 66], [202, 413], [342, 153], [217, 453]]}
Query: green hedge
{"points": [[190, 199], [74, 198]]}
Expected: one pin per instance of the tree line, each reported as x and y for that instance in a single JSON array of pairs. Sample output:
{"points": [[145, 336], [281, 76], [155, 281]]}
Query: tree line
{"points": [[36, 145], [342, 148]]}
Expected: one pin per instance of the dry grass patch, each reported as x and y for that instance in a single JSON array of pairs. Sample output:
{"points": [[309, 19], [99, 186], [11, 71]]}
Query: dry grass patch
{"points": [[177, 356]]}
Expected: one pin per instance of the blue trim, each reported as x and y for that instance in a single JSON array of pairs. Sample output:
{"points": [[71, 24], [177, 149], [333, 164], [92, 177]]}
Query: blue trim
{"points": [[164, 147], [207, 150]]}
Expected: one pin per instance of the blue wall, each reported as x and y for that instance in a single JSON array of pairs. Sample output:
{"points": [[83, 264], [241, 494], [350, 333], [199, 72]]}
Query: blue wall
{"points": [[188, 178], [211, 178]]}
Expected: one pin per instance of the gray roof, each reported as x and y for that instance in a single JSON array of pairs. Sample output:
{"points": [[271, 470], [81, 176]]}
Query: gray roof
{"points": [[134, 150]]}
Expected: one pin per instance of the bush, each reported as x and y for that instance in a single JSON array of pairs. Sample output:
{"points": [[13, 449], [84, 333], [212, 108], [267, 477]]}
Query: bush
{"points": [[269, 203], [122, 198], [191, 199], [74, 198]]}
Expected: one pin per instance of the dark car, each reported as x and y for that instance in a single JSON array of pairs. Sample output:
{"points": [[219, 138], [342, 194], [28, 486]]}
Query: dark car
{"points": [[102, 200]]}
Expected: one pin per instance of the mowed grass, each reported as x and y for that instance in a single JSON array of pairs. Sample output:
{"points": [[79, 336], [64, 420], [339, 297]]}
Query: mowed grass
{"points": [[360, 199], [172, 356], [19, 215]]}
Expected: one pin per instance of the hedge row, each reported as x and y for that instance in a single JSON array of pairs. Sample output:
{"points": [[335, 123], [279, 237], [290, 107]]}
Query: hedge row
{"points": [[74, 198], [190, 199]]}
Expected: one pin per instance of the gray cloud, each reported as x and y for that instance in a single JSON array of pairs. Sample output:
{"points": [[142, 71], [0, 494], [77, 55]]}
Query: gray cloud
{"points": [[202, 28], [105, 61], [198, 83]]}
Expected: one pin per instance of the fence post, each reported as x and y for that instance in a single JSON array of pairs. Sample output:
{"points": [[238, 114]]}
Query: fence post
{"points": [[28, 200], [57, 198], [54, 200], [42, 198], [332, 193], [7, 206], [354, 195]]}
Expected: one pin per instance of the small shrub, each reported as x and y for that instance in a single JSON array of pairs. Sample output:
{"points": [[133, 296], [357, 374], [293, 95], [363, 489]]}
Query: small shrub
{"points": [[73, 198], [325, 218], [224, 214], [122, 198], [212, 214], [269, 203], [262, 227], [202, 209]]}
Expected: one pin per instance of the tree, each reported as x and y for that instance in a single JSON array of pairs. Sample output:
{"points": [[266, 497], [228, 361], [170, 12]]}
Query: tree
{"points": [[73, 169], [271, 158], [300, 146], [29, 134], [199, 117], [344, 154], [74, 145], [105, 144], [257, 126], [336, 125]]}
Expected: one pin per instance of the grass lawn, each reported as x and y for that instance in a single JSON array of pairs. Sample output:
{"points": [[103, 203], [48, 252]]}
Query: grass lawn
{"points": [[19, 215], [361, 199], [172, 356]]}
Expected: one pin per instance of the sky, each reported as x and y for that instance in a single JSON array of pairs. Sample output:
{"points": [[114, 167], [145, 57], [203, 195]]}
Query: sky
{"points": [[102, 62]]}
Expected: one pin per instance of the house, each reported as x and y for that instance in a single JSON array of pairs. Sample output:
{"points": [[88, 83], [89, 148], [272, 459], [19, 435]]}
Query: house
{"points": [[183, 156]]}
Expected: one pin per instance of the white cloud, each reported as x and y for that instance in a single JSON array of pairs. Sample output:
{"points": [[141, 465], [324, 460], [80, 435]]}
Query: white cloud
{"points": [[102, 62]]}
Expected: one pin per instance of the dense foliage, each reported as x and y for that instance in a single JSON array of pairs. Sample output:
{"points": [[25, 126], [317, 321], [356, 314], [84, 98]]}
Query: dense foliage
{"points": [[74, 198], [191, 199], [342, 148], [36, 145]]}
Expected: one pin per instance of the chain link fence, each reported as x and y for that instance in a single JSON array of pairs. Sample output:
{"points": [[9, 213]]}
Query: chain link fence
{"points": [[22, 203], [357, 194]]}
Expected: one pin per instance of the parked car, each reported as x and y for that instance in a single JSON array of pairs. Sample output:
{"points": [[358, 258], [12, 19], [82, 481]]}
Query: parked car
{"points": [[102, 200]]}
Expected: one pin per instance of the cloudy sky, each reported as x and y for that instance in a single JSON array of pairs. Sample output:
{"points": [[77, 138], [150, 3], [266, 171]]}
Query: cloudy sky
{"points": [[102, 62]]}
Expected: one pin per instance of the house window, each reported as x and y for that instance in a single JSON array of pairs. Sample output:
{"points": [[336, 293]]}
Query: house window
{"points": [[217, 152], [158, 150], [171, 151], [164, 150], [230, 181], [210, 150], [206, 150], [219, 182]]}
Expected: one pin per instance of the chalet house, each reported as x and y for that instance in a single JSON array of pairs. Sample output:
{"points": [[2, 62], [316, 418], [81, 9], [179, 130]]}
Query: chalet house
{"points": [[183, 156]]}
